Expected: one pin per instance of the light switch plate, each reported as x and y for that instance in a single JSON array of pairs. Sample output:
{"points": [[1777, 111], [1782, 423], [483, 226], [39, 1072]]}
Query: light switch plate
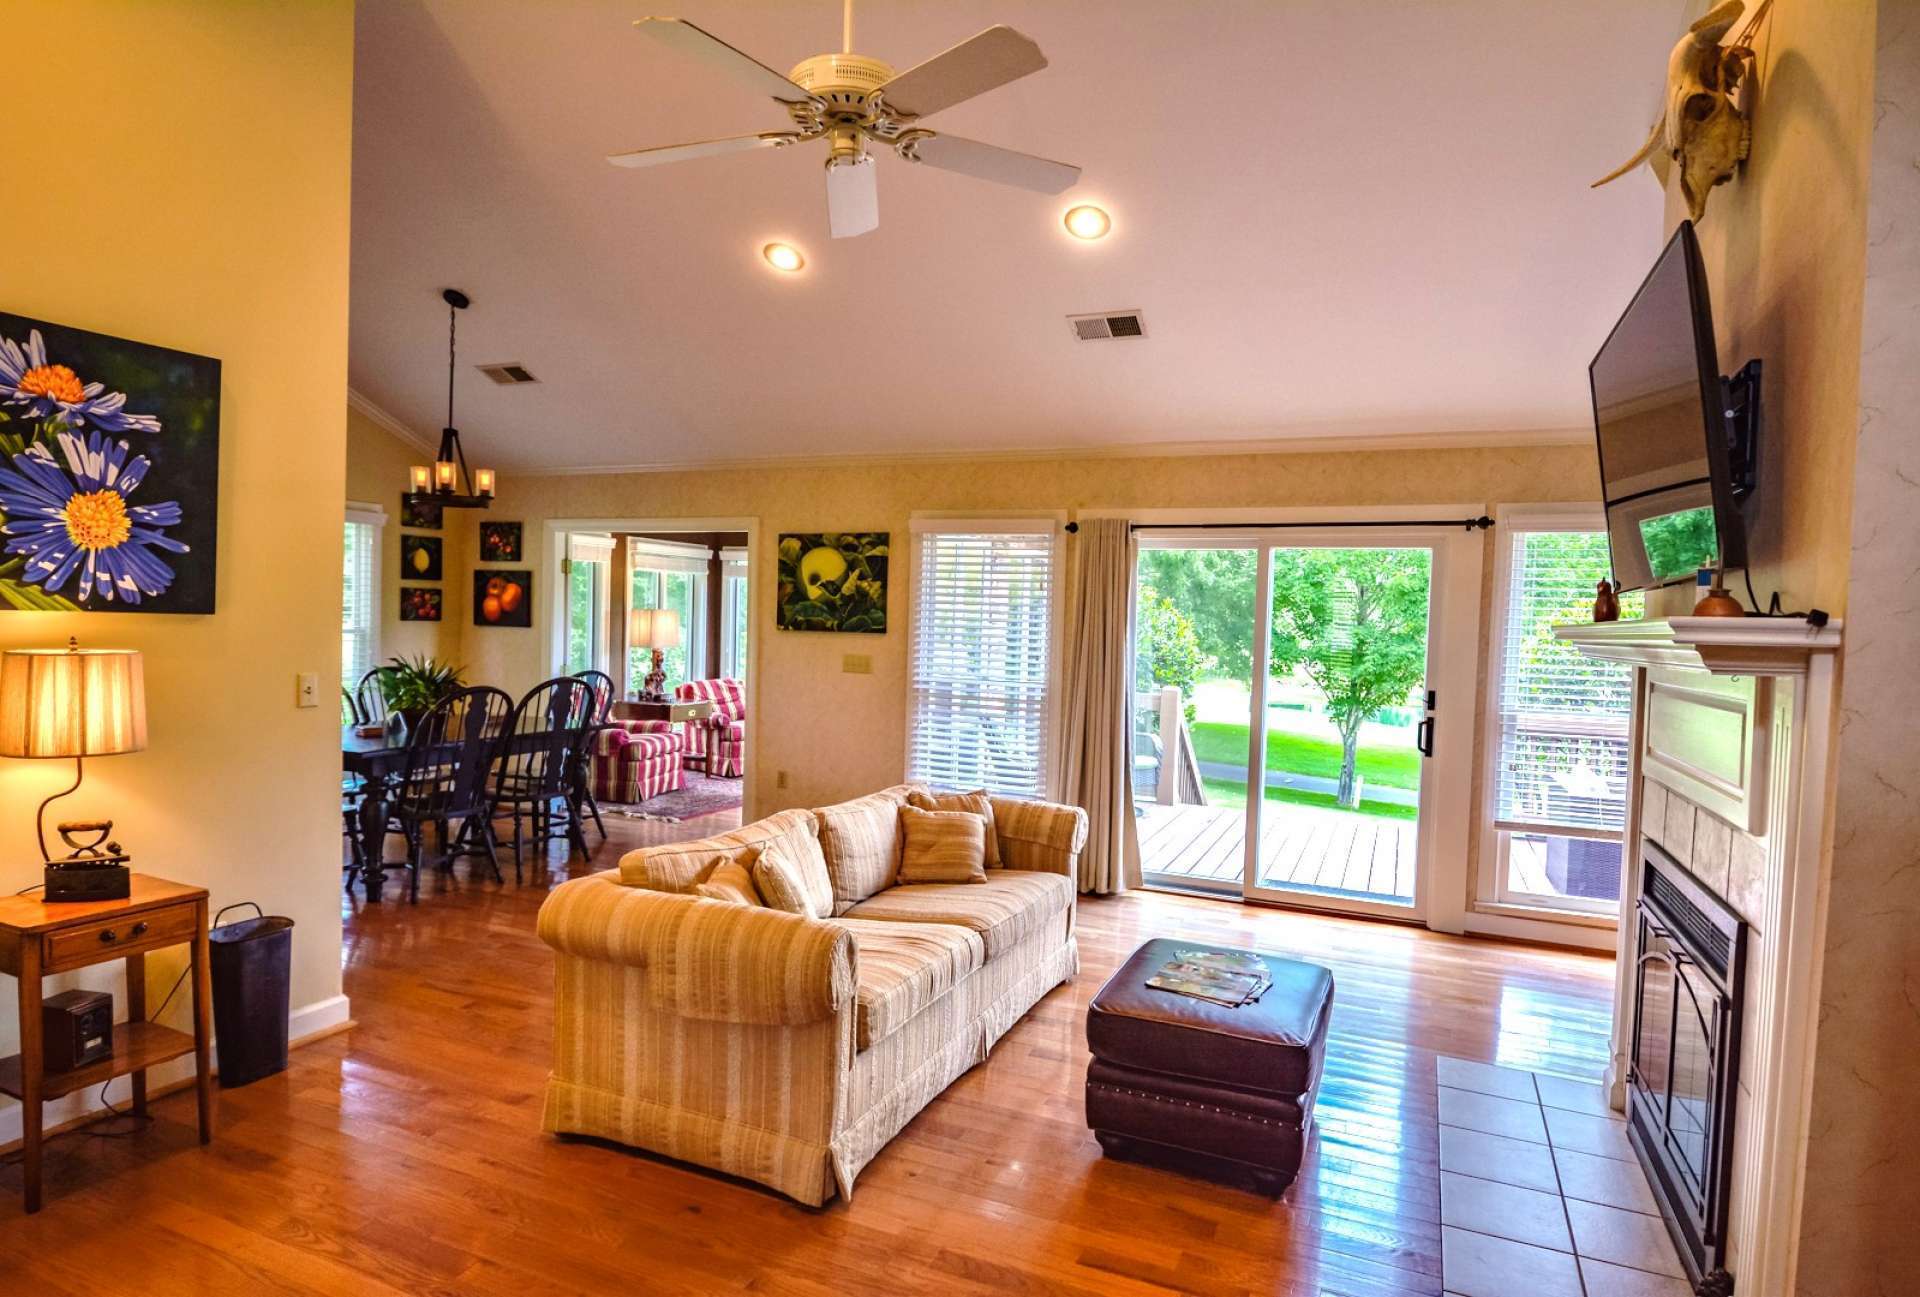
{"points": [[306, 690], [857, 664]]}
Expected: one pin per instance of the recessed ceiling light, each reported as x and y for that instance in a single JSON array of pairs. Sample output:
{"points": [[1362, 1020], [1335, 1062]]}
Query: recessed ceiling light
{"points": [[1088, 222], [783, 256]]}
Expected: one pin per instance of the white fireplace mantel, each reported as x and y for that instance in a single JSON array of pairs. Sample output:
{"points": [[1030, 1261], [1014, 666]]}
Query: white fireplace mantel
{"points": [[1747, 646], [1777, 791]]}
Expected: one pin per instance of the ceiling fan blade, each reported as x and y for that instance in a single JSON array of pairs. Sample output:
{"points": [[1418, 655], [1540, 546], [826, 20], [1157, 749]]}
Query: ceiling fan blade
{"points": [[703, 149], [987, 162], [722, 57], [853, 199], [973, 67]]}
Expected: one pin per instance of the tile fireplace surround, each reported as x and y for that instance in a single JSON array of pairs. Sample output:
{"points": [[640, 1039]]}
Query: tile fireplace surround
{"points": [[1731, 767]]}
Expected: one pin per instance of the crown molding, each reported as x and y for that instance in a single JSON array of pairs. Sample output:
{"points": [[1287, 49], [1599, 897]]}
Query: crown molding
{"points": [[360, 403], [1302, 445]]}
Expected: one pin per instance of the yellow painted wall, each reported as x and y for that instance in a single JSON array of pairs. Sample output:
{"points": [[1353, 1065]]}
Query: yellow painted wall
{"points": [[377, 463], [191, 189], [1785, 250], [836, 734]]}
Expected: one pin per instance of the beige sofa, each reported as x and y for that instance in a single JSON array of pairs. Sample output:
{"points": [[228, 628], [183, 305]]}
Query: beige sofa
{"points": [[786, 1049]]}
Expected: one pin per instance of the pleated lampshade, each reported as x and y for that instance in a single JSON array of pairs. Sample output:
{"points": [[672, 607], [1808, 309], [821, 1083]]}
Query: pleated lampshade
{"points": [[654, 628], [71, 702]]}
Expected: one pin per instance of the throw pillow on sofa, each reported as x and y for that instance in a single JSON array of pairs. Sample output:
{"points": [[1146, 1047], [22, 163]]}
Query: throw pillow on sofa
{"points": [[942, 846], [979, 803], [787, 879], [730, 881], [861, 842]]}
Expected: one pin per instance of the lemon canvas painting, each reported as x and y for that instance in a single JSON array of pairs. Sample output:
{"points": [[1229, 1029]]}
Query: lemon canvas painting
{"points": [[833, 581], [109, 472]]}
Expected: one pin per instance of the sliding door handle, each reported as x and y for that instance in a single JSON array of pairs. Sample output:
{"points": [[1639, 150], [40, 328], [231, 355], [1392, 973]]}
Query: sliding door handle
{"points": [[1423, 737]]}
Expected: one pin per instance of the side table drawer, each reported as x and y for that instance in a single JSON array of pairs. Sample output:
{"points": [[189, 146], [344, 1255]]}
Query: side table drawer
{"points": [[127, 934]]}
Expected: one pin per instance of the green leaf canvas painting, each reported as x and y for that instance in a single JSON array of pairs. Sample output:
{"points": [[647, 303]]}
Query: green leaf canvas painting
{"points": [[833, 581], [109, 472]]}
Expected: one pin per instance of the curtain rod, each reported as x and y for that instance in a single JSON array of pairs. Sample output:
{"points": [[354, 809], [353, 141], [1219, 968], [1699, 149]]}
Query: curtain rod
{"points": [[1466, 524]]}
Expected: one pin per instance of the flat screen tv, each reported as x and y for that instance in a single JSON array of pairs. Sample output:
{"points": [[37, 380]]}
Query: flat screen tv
{"points": [[1675, 438]]}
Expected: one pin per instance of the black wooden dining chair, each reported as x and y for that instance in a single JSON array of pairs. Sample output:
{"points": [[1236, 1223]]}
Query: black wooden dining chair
{"points": [[369, 699], [584, 803], [533, 770], [450, 759]]}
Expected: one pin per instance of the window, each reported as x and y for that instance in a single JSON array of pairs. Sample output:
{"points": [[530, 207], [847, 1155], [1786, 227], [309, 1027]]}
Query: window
{"points": [[589, 559], [667, 575], [733, 613], [982, 679], [1559, 725], [360, 593]]}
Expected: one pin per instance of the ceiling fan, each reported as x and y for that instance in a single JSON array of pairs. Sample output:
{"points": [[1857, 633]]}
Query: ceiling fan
{"points": [[851, 100]]}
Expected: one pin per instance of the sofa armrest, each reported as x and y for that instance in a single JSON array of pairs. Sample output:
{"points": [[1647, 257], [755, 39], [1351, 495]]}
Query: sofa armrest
{"points": [[1043, 836], [707, 959]]}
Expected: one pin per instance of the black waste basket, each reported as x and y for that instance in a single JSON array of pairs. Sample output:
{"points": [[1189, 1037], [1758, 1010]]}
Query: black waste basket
{"points": [[251, 967]]}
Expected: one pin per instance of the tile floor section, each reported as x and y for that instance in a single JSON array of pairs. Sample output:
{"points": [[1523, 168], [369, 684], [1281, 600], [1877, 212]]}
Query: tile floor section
{"points": [[1540, 1194]]}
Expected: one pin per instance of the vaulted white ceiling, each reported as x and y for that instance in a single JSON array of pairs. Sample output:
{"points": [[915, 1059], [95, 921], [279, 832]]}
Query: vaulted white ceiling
{"points": [[1340, 219]]}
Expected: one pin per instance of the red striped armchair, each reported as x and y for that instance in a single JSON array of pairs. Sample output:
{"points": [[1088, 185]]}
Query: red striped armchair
{"points": [[718, 743]]}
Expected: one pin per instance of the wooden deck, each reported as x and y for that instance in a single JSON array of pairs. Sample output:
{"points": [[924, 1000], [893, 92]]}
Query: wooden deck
{"points": [[1307, 847]]}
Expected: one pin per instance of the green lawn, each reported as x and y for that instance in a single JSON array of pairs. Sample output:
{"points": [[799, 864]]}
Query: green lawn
{"points": [[1301, 754], [1227, 792]]}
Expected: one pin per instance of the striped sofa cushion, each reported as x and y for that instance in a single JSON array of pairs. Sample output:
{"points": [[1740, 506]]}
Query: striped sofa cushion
{"points": [[980, 803], [861, 839], [1009, 907], [790, 877], [730, 881], [942, 846], [901, 968]]}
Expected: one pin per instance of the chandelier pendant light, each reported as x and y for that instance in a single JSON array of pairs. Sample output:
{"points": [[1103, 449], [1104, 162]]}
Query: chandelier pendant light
{"points": [[448, 483]]}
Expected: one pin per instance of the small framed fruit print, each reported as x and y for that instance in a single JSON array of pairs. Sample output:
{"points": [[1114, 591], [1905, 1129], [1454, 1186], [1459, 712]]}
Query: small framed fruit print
{"points": [[418, 512], [502, 597], [419, 558], [500, 542], [419, 603]]}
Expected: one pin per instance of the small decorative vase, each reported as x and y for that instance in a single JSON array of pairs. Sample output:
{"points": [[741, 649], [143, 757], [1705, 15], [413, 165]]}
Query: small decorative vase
{"points": [[1606, 604]]}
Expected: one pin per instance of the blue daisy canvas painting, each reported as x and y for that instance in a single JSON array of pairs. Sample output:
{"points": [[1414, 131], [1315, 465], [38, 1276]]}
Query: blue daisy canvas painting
{"points": [[109, 472]]}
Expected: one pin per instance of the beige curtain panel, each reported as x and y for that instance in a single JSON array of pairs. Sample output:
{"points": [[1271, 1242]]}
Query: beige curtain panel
{"points": [[1098, 762]]}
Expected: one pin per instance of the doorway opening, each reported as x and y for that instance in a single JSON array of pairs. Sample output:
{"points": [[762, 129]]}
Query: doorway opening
{"points": [[663, 613], [1301, 666]]}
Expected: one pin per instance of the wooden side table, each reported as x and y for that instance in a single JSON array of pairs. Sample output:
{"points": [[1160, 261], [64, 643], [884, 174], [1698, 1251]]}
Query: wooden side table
{"points": [[37, 938], [674, 710]]}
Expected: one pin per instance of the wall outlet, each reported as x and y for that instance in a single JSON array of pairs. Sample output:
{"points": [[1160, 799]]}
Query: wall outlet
{"points": [[306, 690], [779, 779], [857, 664]]}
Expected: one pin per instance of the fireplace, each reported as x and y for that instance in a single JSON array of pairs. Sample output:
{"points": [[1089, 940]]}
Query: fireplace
{"points": [[1686, 1055]]}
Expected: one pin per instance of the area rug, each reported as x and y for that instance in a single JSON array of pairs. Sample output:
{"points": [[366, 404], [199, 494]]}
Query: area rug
{"points": [[699, 796]]}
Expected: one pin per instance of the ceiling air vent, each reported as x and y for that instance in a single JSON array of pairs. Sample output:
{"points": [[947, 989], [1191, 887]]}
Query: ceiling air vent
{"points": [[507, 375], [1119, 324]]}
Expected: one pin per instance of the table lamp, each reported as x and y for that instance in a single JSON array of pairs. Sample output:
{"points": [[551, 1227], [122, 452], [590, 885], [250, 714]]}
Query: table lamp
{"points": [[659, 630], [78, 703]]}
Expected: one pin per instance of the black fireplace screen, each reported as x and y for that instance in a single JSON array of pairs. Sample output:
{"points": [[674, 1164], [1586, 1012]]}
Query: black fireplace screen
{"points": [[1686, 1050]]}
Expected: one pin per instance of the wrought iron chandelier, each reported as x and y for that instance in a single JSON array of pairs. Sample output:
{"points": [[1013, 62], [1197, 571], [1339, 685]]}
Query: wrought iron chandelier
{"points": [[449, 483]]}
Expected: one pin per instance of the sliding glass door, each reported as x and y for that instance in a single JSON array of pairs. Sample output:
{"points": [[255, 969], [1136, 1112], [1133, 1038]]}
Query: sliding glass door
{"points": [[1284, 713]]}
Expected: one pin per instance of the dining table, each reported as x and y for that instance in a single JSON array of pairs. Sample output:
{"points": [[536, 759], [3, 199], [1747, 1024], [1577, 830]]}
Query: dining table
{"points": [[379, 760], [376, 759]]}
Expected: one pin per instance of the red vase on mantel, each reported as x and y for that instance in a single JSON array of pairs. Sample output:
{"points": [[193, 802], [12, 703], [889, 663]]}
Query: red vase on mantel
{"points": [[1606, 604]]}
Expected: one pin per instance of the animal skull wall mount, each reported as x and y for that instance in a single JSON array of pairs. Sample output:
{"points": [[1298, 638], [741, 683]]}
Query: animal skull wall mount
{"points": [[1705, 128]]}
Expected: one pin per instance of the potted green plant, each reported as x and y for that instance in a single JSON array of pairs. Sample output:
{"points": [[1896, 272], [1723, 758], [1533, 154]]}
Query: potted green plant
{"points": [[412, 686]]}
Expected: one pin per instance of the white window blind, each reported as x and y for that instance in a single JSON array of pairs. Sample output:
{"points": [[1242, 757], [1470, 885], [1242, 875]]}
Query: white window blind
{"points": [[1562, 715], [360, 595], [982, 664]]}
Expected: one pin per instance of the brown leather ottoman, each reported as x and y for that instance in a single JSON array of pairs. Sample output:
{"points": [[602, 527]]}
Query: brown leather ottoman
{"points": [[1196, 1086]]}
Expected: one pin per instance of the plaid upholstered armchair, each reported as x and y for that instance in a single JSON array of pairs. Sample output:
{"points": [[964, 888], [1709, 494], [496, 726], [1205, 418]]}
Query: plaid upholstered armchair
{"points": [[718, 743]]}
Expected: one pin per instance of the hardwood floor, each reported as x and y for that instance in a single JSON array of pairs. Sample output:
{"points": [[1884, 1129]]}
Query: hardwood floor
{"points": [[405, 1156]]}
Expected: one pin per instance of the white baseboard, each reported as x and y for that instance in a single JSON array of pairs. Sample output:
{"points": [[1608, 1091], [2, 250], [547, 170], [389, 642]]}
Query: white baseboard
{"points": [[307, 1021]]}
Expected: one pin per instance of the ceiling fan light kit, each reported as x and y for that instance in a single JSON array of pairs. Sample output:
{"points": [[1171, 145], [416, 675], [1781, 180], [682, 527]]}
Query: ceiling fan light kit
{"points": [[853, 101]]}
